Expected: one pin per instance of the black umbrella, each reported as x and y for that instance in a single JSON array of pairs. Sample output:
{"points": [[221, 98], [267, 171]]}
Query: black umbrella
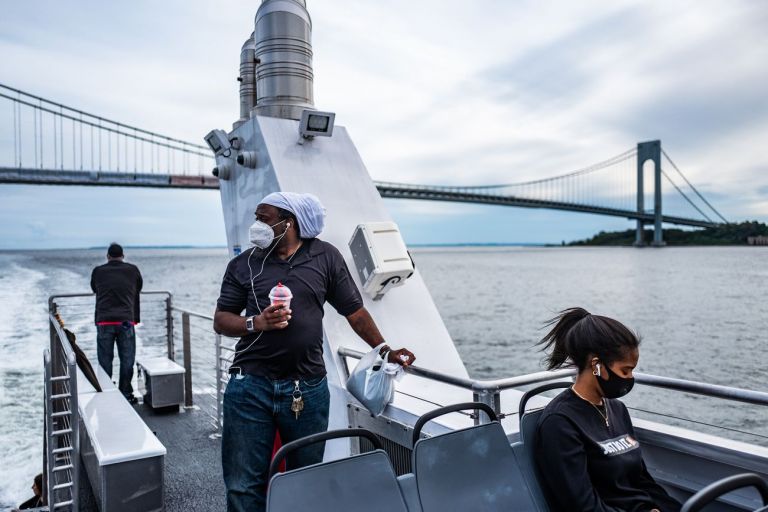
{"points": [[82, 360]]}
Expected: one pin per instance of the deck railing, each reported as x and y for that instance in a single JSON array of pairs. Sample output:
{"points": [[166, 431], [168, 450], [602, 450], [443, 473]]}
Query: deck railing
{"points": [[396, 434], [197, 328], [62, 437], [207, 356], [489, 391]]}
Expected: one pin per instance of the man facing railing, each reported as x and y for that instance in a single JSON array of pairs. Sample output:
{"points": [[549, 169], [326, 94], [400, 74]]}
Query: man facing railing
{"points": [[117, 286]]}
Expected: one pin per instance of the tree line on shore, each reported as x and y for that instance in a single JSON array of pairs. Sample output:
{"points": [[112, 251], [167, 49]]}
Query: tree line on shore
{"points": [[722, 234]]}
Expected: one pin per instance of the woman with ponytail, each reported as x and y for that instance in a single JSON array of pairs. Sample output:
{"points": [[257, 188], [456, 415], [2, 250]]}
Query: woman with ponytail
{"points": [[586, 449]]}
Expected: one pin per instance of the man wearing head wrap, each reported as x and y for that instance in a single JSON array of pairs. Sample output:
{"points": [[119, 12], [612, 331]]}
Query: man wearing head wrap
{"points": [[278, 362]]}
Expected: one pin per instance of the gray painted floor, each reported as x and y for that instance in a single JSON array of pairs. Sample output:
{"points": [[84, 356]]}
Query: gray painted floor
{"points": [[193, 479]]}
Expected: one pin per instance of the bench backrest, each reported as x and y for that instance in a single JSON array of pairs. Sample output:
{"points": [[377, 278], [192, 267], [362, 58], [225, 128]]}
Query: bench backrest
{"points": [[361, 482], [470, 469], [527, 459]]}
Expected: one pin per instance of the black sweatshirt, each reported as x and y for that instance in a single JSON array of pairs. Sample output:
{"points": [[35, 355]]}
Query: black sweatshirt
{"points": [[117, 286], [588, 466]]}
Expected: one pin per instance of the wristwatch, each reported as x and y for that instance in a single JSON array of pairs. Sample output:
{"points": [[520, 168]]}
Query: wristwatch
{"points": [[249, 324]]}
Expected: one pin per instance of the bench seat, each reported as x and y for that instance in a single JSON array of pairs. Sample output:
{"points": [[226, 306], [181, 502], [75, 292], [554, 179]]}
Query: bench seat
{"points": [[163, 382], [84, 386], [123, 458]]}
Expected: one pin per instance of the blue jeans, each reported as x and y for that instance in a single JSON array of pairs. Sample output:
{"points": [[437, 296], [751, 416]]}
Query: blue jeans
{"points": [[125, 336], [254, 408]]}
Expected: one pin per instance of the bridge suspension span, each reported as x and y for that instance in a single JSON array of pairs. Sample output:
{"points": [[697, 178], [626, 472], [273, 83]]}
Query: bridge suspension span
{"points": [[46, 142]]}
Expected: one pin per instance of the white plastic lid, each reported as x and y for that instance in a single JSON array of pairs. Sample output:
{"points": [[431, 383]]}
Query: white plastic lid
{"points": [[280, 292]]}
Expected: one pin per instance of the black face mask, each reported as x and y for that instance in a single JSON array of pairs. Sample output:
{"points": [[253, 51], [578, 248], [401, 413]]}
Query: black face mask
{"points": [[615, 386]]}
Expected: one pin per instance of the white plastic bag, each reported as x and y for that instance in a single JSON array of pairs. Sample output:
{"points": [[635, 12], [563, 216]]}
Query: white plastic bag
{"points": [[372, 381]]}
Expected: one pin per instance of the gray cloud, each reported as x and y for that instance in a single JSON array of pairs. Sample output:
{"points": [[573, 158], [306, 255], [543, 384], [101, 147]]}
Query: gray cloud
{"points": [[685, 119], [556, 71]]}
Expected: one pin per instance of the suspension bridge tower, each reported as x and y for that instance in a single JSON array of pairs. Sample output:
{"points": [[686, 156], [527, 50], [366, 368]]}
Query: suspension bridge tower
{"points": [[650, 150]]}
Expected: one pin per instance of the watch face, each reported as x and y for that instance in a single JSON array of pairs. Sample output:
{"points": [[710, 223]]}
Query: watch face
{"points": [[249, 323]]}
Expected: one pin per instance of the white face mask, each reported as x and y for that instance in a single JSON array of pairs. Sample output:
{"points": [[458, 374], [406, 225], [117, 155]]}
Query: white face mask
{"points": [[261, 234]]}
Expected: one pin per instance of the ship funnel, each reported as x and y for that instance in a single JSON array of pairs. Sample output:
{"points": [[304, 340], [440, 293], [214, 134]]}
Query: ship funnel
{"points": [[247, 80], [282, 49]]}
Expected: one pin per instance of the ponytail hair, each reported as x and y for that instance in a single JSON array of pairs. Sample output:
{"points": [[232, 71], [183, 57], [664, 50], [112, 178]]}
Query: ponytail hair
{"points": [[577, 334]]}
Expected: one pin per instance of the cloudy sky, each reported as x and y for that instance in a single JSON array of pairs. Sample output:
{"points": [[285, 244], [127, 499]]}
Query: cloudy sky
{"points": [[442, 92]]}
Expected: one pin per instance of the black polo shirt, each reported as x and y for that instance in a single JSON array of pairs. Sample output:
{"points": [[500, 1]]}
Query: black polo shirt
{"points": [[316, 274]]}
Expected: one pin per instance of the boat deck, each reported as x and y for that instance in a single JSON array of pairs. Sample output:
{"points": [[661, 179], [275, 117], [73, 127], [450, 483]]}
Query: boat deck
{"points": [[193, 479]]}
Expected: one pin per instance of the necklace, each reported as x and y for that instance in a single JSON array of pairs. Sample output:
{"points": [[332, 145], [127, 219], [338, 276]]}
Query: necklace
{"points": [[295, 252], [604, 416]]}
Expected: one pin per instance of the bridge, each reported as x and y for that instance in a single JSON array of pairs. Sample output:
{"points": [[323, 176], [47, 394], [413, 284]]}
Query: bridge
{"points": [[47, 143]]}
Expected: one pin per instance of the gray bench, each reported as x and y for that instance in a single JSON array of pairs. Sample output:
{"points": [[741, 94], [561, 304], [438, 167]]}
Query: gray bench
{"points": [[123, 459], [163, 382]]}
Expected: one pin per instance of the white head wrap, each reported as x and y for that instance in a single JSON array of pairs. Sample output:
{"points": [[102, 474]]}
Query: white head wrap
{"points": [[309, 211]]}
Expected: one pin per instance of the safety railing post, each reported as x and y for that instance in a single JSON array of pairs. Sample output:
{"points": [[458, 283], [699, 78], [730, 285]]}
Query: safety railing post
{"points": [[490, 397], [185, 335], [169, 327], [219, 382]]}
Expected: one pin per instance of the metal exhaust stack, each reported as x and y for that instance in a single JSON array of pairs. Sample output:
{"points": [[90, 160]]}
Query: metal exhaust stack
{"points": [[282, 53], [247, 80]]}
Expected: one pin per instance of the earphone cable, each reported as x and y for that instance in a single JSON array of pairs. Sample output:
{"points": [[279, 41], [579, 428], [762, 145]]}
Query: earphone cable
{"points": [[255, 297]]}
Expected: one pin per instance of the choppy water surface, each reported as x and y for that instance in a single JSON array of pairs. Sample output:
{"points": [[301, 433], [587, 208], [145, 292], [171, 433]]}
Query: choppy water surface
{"points": [[702, 313]]}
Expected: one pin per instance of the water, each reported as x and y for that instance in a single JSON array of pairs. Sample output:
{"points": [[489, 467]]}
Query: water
{"points": [[701, 311]]}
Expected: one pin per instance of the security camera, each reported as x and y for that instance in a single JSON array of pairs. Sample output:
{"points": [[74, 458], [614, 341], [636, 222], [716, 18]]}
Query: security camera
{"points": [[218, 141]]}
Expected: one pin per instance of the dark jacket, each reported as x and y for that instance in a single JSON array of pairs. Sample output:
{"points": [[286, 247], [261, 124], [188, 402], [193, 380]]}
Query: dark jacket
{"points": [[590, 467], [117, 285]]}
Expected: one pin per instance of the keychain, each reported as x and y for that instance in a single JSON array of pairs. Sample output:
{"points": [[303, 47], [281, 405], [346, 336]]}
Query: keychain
{"points": [[298, 402]]}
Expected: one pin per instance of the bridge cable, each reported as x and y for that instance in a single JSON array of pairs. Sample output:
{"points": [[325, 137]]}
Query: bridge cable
{"points": [[586, 170], [685, 196], [692, 187], [595, 167], [97, 124], [94, 116]]}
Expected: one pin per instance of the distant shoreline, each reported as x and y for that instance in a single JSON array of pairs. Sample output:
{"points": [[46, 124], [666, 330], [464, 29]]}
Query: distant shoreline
{"points": [[742, 234], [224, 247], [749, 233]]}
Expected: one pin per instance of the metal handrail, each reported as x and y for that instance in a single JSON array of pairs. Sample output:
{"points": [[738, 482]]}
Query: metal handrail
{"points": [[192, 313], [483, 386], [748, 396], [52, 298], [168, 311], [688, 386], [62, 441]]}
